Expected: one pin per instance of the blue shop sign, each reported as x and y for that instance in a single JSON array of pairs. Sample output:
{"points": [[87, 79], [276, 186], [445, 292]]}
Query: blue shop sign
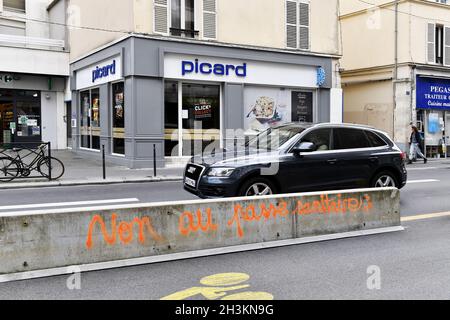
{"points": [[433, 93], [205, 68], [104, 71]]}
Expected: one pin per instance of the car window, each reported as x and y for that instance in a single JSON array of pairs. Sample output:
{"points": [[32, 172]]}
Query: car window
{"points": [[347, 138], [375, 140], [320, 137]]}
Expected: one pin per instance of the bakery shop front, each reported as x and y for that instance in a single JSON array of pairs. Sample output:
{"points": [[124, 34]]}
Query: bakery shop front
{"points": [[185, 97]]}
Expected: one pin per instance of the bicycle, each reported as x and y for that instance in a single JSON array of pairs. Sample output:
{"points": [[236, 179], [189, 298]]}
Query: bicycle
{"points": [[49, 167]]}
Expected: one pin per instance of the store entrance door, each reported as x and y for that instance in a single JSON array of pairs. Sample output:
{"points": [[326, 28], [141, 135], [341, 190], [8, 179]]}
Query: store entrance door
{"points": [[200, 118], [7, 123]]}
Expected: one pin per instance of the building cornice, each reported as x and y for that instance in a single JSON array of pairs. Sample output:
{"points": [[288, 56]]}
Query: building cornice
{"points": [[208, 43]]}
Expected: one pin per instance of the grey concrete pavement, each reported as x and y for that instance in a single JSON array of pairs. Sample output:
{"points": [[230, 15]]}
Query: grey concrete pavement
{"points": [[83, 171], [414, 264]]}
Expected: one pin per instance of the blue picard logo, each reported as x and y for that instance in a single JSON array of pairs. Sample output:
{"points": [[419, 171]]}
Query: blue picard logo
{"points": [[102, 72], [189, 67]]}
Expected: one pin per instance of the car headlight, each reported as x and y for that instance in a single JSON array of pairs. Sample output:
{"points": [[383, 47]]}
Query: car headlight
{"points": [[220, 172]]}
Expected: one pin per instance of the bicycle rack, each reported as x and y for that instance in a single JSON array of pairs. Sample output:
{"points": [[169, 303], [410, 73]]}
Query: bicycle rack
{"points": [[28, 155]]}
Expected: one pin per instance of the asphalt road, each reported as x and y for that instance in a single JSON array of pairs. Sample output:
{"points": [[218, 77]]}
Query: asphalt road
{"points": [[413, 264]]}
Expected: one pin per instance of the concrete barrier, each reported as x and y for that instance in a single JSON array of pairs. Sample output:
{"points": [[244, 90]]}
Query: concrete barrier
{"points": [[37, 240]]}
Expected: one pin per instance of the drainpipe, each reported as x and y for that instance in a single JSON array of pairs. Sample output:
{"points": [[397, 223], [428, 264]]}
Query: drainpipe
{"points": [[395, 65]]}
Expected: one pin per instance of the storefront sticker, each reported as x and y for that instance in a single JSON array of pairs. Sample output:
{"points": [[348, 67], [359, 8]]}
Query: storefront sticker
{"points": [[433, 93]]}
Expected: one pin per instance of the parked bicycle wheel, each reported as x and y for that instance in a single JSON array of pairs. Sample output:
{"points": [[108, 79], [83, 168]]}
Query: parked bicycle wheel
{"points": [[57, 167], [9, 169]]}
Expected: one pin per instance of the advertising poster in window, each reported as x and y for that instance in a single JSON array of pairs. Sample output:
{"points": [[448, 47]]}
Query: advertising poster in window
{"points": [[118, 109], [302, 106], [265, 108], [202, 108]]}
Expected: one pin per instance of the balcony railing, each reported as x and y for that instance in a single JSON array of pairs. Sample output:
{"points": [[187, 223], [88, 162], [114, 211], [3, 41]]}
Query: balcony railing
{"points": [[32, 41], [184, 33]]}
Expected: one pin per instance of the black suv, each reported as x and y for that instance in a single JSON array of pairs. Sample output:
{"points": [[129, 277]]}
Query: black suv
{"points": [[299, 158]]}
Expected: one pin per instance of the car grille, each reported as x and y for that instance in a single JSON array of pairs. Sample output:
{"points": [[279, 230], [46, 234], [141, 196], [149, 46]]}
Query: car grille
{"points": [[193, 173]]}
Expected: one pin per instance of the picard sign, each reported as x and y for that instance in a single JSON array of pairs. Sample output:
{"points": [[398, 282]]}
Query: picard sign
{"points": [[433, 93], [100, 73]]}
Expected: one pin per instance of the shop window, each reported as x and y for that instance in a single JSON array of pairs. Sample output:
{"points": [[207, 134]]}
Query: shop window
{"points": [[20, 116], [118, 121], [90, 119], [171, 118], [28, 114], [267, 107]]}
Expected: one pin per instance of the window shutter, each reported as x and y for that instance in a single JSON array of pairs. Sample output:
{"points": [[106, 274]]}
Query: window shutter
{"points": [[431, 43], [161, 16], [291, 24], [447, 46], [209, 19], [304, 25]]}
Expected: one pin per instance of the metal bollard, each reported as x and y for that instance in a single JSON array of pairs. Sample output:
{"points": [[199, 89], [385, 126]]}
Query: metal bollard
{"points": [[103, 162], [154, 160]]}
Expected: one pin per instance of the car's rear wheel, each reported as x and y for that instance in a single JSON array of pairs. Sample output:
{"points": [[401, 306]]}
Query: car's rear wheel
{"points": [[257, 187], [385, 179]]}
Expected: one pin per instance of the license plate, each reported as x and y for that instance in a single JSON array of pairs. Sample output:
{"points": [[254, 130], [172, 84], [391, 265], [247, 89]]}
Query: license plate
{"points": [[190, 182]]}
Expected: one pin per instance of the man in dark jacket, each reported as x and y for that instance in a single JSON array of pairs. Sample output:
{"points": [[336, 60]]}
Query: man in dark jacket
{"points": [[415, 145]]}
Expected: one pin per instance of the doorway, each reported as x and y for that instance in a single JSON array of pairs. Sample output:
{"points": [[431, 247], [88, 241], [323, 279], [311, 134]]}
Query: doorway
{"points": [[192, 118]]}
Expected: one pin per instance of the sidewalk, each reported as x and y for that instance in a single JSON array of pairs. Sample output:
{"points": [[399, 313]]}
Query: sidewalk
{"points": [[82, 171]]}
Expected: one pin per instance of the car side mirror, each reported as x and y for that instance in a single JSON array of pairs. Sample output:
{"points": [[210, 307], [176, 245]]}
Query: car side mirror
{"points": [[304, 147]]}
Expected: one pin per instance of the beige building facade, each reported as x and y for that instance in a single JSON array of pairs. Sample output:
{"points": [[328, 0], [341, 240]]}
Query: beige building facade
{"points": [[396, 68]]}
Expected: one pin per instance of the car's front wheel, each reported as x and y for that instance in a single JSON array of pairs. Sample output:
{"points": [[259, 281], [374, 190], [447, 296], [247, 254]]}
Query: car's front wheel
{"points": [[257, 187], [385, 179]]}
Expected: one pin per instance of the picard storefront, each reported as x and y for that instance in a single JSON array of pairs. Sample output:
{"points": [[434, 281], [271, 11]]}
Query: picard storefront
{"points": [[142, 92]]}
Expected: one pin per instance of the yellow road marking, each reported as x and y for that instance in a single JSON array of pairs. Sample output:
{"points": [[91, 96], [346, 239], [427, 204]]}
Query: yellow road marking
{"points": [[219, 286], [426, 216]]}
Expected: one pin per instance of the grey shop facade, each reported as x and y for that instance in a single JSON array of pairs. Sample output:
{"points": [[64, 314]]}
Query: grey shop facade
{"points": [[140, 92]]}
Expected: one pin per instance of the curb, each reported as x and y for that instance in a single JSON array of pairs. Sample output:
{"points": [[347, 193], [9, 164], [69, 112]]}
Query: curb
{"points": [[28, 185]]}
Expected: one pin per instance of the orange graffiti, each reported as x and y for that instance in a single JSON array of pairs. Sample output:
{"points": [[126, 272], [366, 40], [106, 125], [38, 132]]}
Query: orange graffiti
{"points": [[124, 230], [195, 224], [327, 205], [251, 213]]}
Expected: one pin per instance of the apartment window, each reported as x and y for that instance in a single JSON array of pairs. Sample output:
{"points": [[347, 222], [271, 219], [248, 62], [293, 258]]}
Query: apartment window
{"points": [[14, 5], [297, 24], [182, 18], [178, 18], [438, 44]]}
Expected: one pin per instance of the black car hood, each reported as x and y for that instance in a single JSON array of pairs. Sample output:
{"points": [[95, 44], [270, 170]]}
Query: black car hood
{"points": [[238, 158]]}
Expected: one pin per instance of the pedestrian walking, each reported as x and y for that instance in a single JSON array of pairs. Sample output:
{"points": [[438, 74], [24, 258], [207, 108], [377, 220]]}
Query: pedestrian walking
{"points": [[414, 150]]}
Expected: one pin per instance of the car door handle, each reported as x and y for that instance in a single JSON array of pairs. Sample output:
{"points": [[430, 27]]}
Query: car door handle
{"points": [[332, 161], [373, 159]]}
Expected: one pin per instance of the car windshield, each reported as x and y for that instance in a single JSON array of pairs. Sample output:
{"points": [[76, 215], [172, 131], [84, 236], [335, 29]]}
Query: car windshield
{"points": [[274, 138]]}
